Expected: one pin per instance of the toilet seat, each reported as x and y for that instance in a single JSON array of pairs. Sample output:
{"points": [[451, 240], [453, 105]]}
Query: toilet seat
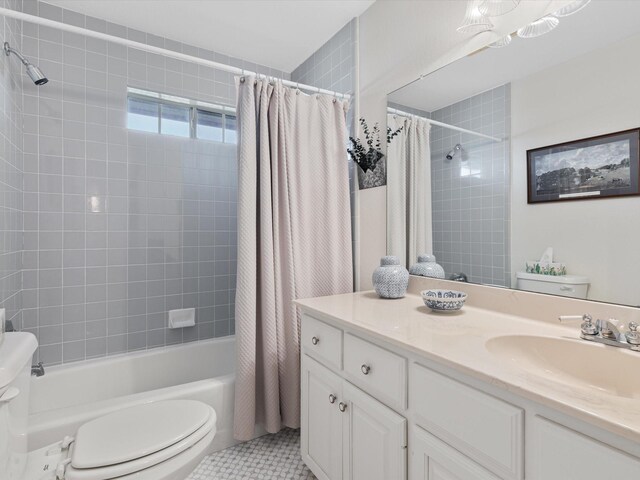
{"points": [[138, 438]]}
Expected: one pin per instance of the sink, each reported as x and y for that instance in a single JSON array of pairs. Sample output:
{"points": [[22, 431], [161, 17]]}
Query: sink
{"points": [[571, 361]]}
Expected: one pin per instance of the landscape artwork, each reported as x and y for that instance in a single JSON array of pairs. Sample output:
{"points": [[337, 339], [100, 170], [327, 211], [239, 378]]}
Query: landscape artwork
{"points": [[596, 167]]}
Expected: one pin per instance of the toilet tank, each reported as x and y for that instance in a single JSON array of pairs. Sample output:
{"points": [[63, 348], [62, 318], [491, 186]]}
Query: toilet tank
{"points": [[574, 286], [16, 351]]}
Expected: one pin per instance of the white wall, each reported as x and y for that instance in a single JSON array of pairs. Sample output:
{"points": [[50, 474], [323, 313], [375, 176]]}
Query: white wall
{"points": [[400, 40], [594, 94]]}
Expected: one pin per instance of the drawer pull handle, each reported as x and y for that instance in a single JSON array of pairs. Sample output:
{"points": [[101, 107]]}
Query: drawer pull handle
{"points": [[315, 340], [365, 369], [342, 406], [332, 398]]}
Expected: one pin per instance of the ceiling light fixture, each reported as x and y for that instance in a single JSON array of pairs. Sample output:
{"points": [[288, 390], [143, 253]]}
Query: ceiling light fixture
{"points": [[495, 8], [474, 21], [539, 27], [572, 8], [503, 42]]}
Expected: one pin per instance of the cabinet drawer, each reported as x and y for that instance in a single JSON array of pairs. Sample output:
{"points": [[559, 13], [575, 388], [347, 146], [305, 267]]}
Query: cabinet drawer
{"points": [[377, 371], [322, 341], [482, 427]]}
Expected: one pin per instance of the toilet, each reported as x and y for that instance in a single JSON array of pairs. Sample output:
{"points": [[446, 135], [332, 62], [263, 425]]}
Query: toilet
{"points": [[163, 440], [574, 286]]}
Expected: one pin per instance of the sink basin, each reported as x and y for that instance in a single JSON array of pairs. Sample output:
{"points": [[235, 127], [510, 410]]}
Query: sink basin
{"points": [[610, 369]]}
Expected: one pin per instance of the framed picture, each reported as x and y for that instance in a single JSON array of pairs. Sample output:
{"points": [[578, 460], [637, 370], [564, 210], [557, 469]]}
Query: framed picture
{"points": [[595, 167]]}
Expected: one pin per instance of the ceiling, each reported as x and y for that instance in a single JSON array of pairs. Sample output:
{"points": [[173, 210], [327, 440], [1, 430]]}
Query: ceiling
{"points": [[601, 23], [280, 34]]}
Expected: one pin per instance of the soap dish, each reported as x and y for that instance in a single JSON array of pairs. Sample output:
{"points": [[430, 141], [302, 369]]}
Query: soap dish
{"points": [[443, 300]]}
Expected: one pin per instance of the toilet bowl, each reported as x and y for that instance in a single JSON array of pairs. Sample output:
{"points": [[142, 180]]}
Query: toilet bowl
{"points": [[163, 440]]}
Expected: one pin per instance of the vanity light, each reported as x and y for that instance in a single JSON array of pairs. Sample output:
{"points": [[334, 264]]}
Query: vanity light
{"points": [[503, 42], [572, 8], [495, 8], [539, 27], [474, 21]]}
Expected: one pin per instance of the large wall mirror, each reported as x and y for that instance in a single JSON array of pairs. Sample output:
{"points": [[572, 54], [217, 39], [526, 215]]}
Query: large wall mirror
{"points": [[517, 166]]}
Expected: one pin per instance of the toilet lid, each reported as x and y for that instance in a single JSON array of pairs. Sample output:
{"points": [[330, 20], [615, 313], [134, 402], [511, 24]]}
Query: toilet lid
{"points": [[137, 431]]}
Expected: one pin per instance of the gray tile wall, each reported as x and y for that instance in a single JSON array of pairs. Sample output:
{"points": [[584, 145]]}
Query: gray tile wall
{"points": [[101, 283], [11, 167], [332, 67], [470, 194]]}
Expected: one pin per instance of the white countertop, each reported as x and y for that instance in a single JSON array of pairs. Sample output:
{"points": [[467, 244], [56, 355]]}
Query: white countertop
{"points": [[458, 341]]}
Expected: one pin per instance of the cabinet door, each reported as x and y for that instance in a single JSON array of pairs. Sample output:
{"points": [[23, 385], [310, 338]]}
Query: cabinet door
{"points": [[431, 459], [321, 433], [558, 453], [375, 438]]}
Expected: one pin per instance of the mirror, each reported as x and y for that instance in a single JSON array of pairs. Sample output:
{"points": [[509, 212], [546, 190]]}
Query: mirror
{"points": [[511, 168]]}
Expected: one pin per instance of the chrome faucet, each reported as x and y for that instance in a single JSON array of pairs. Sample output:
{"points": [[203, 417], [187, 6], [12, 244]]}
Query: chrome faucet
{"points": [[606, 331], [37, 369]]}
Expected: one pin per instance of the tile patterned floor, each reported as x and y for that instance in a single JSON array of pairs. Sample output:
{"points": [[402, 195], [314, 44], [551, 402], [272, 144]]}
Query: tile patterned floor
{"points": [[270, 457]]}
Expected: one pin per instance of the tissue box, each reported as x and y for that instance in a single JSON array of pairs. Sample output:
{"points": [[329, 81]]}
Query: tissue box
{"points": [[554, 268]]}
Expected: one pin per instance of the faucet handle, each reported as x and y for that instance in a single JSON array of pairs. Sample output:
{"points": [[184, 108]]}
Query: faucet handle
{"points": [[632, 336], [587, 327]]}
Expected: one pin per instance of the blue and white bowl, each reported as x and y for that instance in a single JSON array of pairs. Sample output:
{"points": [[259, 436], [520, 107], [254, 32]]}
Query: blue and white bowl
{"points": [[443, 300]]}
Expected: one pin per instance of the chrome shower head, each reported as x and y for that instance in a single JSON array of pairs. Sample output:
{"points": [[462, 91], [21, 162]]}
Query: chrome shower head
{"points": [[34, 72], [453, 152]]}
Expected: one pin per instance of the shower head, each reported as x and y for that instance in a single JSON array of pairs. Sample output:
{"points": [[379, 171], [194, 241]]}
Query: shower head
{"points": [[453, 152], [34, 72]]}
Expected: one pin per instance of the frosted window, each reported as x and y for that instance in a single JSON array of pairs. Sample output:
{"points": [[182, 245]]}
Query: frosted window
{"points": [[230, 135], [142, 115], [209, 125], [175, 121]]}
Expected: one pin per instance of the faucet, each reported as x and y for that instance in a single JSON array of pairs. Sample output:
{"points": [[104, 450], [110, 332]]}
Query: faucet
{"points": [[606, 331], [37, 369]]}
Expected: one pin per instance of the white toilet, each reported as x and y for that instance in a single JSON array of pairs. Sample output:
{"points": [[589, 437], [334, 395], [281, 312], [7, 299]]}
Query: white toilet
{"points": [[162, 440], [574, 286]]}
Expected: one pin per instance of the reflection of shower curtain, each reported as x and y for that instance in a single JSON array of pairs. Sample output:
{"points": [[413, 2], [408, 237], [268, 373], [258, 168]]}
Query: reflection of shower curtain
{"points": [[409, 229], [294, 240]]}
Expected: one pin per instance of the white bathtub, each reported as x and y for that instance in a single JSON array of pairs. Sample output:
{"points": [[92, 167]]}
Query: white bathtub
{"points": [[69, 395]]}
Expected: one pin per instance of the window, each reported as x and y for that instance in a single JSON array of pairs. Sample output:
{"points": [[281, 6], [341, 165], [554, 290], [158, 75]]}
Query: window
{"points": [[170, 115]]}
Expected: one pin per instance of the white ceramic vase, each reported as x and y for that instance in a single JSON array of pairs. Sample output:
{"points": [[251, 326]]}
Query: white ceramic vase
{"points": [[390, 279]]}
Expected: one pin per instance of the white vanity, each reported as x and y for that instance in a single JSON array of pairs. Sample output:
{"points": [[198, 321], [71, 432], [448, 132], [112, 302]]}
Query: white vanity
{"points": [[391, 391]]}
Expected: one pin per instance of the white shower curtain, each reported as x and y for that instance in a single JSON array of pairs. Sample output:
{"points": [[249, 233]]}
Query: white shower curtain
{"points": [[294, 239], [409, 228]]}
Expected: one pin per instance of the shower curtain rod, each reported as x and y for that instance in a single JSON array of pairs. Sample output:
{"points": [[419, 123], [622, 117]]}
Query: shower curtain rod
{"points": [[157, 50], [442, 124]]}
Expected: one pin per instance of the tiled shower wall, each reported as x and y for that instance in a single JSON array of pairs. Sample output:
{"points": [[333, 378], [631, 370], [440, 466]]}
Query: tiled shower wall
{"points": [[11, 165], [332, 67], [101, 283], [470, 193]]}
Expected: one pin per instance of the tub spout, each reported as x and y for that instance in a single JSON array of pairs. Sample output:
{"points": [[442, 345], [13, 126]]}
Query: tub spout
{"points": [[37, 370]]}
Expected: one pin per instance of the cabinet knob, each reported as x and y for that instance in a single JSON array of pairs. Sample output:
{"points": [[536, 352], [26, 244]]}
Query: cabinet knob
{"points": [[342, 406], [332, 398], [365, 369], [315, 340]]}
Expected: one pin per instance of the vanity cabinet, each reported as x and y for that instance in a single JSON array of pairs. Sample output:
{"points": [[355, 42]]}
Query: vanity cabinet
{"points": [[374, 412], [347, 434], [560, 453], [432, 459]]}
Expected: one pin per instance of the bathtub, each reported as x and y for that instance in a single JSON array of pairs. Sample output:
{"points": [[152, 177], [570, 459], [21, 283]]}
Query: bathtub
{"points": [[69, 395]]}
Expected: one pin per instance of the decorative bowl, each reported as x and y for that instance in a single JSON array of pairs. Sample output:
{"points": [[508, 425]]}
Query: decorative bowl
{"points": [[443, 300]]}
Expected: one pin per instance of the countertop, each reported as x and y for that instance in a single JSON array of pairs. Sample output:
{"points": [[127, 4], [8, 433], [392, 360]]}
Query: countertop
{"points": [[458, 340]]}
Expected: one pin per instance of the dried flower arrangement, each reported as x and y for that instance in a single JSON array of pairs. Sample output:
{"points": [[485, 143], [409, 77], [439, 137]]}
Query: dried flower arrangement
{"points": [[367, 155]]}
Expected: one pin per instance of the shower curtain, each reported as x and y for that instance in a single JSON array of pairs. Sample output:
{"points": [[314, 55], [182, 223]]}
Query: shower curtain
{"points": [[409, 228], [294, 239]]}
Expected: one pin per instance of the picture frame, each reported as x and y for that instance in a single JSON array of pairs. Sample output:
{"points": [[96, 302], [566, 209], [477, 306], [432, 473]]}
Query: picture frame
{"points": [[603, 166]]}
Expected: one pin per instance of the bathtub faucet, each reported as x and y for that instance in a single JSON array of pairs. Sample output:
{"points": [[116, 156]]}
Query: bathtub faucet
{"points": [[37, 370]]}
